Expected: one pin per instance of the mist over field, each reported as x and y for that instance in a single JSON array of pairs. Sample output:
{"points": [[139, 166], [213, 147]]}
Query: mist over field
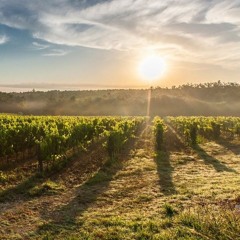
{"points": [[201, 99]]}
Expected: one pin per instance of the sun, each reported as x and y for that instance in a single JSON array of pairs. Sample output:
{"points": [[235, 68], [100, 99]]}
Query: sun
{"points": [[151, 67]]}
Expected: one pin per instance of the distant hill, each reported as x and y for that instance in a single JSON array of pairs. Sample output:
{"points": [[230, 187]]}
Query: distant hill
{"points": [[190, 99]]}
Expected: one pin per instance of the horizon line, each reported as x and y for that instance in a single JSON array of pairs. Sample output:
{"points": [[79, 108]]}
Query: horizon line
{"points": [[28, 87]]}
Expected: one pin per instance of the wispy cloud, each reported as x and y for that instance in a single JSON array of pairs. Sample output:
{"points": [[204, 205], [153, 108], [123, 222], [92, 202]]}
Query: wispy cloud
{"points": [[39, 46], [56, 53], [3, 39], [190, 29], [48, 50]]}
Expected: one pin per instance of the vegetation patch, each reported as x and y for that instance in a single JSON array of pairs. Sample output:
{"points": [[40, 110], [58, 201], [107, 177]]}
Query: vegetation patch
{"points": [[169, 210], [3, 177], [144, 198], [48, 187]]}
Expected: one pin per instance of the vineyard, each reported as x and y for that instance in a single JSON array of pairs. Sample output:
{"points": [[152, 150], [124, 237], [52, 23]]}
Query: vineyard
{"points": [[52, 139], [211, 128], [90, 169]]}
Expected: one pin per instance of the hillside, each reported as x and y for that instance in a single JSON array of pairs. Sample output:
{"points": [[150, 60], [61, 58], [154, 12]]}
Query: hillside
{"points": [[201, 99]]}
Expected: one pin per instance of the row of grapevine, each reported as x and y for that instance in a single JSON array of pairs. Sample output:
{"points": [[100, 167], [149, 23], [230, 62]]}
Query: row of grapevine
{"points": [[74, 136], [121, 133], [208, 127], [52, 138], [192, 129], [159, 128]]}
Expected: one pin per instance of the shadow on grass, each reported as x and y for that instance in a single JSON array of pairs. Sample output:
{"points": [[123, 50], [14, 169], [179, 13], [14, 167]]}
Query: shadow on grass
{"points": [[165, 170], [233, 147], [65, 218], [21, 189], [210, 160]]}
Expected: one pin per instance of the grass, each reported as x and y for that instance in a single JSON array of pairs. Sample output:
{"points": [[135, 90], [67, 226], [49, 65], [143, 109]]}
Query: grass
{"points": [[21, 189], [48, 187], [169, 210], [198, 223], [144, 198]]}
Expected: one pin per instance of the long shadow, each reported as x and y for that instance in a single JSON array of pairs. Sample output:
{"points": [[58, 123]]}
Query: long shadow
{"points": [[165, 171], [65, 218], [20, 190], [210, 160], [233, 147]]}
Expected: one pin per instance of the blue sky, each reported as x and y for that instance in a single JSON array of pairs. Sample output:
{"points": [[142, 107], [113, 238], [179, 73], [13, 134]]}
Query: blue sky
{"points": [[100, 43]]}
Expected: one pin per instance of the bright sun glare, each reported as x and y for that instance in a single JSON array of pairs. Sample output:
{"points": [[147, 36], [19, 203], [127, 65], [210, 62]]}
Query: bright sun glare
{"points": [[152, 67]]}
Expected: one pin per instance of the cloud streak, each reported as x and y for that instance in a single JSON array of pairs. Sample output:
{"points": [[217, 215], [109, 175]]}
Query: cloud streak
{"points": [[3, 39], [39, 46], [55, 53]]}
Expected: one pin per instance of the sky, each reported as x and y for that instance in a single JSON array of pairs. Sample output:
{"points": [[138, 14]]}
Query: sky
{"points": [[64, 44]]}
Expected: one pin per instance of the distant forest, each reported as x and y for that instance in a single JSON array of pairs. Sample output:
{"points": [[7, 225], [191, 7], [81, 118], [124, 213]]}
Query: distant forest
{"points": [[190, 99]]}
